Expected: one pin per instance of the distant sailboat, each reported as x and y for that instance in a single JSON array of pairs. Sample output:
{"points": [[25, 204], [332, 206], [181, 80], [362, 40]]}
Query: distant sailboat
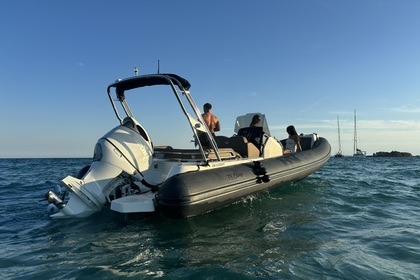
{"points": [[339, 153], [356, 151]]}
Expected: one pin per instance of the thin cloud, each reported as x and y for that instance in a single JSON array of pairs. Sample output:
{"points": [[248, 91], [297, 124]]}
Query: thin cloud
{"points": [[407, 109]]}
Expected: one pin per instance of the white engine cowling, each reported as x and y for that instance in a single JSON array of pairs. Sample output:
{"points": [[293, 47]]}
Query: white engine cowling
{"points": [[122, 150]]}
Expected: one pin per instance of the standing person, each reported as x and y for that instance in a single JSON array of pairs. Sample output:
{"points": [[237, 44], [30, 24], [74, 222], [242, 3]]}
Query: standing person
{"points": [[211, 120], [293, 142]]}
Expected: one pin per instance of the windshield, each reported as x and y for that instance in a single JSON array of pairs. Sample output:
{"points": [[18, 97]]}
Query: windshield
{"points": [[245, 121]]}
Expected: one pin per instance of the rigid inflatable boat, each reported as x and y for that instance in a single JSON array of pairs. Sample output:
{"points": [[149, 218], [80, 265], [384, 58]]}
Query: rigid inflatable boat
{"points": [[131, 172]]}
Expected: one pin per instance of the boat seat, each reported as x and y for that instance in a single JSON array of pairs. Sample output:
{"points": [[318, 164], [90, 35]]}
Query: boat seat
{"points": [[307, 141], [253, 134], [239, 144], [167, 152], [224, 153]]}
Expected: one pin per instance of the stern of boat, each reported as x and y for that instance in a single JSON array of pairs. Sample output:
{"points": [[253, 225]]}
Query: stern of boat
{"points": [[119, 159]]}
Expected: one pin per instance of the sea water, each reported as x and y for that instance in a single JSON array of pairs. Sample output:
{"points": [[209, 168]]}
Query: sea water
{"points": [[356, 218]]}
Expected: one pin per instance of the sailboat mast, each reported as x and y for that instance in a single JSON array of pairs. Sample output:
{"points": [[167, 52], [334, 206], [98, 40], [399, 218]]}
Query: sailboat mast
{"points": [[339, 137], [355, 134]]}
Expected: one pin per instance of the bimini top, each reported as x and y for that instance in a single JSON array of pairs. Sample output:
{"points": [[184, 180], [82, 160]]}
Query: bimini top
{"points": [[149, 80]]}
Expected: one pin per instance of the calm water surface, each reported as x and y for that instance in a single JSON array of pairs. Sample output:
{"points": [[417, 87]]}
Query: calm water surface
{"points": [[353, 219]]}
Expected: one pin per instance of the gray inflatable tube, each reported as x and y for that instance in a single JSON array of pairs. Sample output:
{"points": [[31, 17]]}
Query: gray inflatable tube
{"points": [[194, 193]]}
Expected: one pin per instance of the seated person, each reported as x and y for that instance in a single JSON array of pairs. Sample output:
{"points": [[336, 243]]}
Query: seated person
{"points": [[292, 142], [253, 134], [255, 121]]}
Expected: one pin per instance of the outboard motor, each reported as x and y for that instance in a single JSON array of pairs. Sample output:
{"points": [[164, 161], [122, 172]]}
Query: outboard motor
{"points": [[119, 157], [55, 202]]}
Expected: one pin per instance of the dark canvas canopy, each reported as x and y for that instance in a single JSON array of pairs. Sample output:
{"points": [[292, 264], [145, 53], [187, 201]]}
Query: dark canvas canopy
{"points": [[149, 80]]}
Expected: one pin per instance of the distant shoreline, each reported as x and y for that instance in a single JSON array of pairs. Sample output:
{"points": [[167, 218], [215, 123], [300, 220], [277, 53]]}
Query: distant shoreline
{"points": [[392, 154]]}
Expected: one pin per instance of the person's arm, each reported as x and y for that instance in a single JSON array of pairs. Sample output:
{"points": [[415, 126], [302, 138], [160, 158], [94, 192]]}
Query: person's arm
{"points": [[299, 147], [216, 124]]}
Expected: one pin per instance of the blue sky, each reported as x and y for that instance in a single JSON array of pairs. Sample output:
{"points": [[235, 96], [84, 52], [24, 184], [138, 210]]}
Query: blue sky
{"points": [[299, 62]]}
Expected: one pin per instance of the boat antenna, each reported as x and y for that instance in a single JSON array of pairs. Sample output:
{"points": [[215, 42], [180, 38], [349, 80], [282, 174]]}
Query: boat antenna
{"points": [[136, 70], [158, 67]]}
